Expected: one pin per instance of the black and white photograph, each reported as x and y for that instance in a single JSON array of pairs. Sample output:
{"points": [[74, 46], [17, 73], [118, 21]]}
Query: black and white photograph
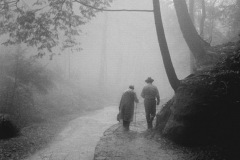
{"points": [[119, 79]]}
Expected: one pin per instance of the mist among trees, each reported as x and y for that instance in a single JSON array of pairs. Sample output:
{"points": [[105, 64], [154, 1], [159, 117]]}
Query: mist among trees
{"points": [[67, 57]]}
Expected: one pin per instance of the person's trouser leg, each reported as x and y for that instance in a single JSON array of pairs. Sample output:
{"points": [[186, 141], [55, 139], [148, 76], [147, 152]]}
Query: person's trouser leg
{"points": [[126, 125], [147, 112], [153, 111], [150, 110]]}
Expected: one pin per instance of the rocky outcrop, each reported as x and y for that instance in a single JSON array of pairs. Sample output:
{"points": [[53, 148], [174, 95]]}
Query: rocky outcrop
{"points": [[206, 107]]}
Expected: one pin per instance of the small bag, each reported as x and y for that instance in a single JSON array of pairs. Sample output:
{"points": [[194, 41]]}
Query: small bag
{"points": [[118, 116]]}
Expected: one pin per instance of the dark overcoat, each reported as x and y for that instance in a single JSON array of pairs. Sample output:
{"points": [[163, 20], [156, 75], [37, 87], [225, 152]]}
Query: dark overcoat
{"points": [[126, 106]]}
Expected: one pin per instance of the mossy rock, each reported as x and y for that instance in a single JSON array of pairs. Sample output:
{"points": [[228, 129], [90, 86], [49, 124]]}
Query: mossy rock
{"points": [[205, 108]]}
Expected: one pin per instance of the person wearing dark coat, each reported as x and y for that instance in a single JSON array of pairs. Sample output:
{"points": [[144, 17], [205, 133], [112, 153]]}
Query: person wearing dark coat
{"points": [[126, 107], [151, 98]]}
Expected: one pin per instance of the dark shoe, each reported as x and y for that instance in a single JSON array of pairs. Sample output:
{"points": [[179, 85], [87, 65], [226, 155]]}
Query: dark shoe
{"points": [[125, 128], [150, 125], [126, 125], [151, 118]]}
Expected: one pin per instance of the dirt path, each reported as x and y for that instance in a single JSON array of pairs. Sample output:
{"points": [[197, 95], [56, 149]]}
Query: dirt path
{"points": [[136, 144], [77, 141]]}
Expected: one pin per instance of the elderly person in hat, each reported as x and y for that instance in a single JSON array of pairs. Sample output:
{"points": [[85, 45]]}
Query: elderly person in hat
{"points": [[126, 107], [151, 98]]}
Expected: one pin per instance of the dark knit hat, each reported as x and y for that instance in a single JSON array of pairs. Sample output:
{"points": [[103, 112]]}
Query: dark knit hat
{"points": [[149, 80]]}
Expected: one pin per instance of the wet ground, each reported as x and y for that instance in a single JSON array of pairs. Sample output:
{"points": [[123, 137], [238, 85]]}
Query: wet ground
{"points": [[78, 140]]}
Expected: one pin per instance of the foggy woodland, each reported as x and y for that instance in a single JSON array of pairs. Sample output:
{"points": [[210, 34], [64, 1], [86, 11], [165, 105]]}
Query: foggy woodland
{"points": [[63, 59]]}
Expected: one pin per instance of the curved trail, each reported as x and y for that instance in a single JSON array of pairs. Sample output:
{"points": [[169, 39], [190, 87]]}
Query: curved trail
{"points": [[78, 139]]}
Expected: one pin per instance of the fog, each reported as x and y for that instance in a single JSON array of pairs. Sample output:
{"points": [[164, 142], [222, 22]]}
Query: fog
{"points": [[129, 43], [121, 48], [118, 49]]}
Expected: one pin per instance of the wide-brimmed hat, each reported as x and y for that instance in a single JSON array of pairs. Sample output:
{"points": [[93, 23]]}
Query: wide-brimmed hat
{"points": [[149, 80], [131, 86]]}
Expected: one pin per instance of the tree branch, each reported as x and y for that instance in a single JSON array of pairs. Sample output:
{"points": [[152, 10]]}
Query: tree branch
{"points": [[113, 10], [11, 4]]}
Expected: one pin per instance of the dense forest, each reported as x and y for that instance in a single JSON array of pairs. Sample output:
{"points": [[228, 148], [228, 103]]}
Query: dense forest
{"points": [[62, 59]]}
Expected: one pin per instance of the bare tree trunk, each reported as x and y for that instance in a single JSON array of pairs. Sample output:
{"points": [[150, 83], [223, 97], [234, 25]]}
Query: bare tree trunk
{"points": [[202, 22], [212, 22], [191, 13], [191, 10], [236, 26], [102, 73], [120, 58], [13, 89], [172, 77], [69, 65], [189, 31]]}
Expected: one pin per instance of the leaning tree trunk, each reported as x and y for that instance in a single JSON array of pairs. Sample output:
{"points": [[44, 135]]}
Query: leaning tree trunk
{"points": [[189, 31], [172, 77]]}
